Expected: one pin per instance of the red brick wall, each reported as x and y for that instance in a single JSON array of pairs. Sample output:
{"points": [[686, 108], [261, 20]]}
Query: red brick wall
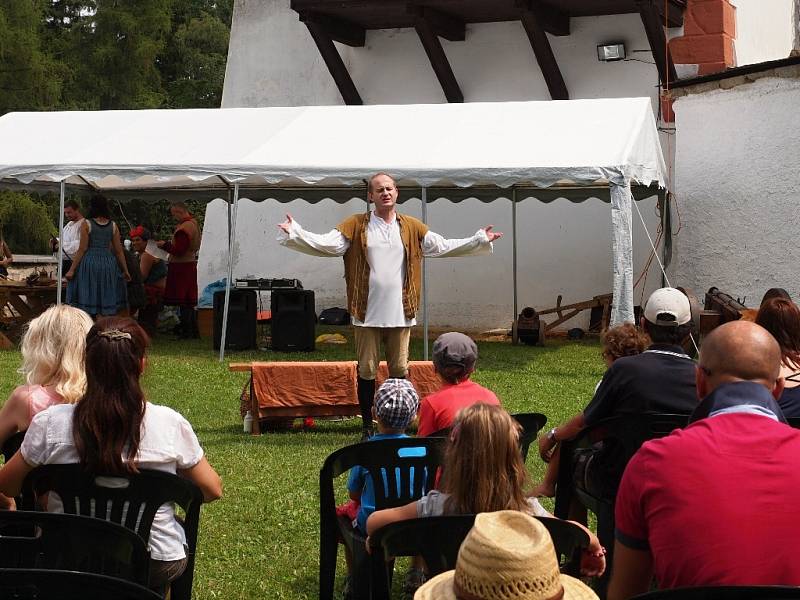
{"points": [[709, 31]]}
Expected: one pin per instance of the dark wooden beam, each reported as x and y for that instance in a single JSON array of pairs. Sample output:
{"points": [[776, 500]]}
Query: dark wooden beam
{"points": [[339, 30], [674, 12], [530, 15], [441, 66], [444, 25], [333, 60], [656, 36], [553, 21]]}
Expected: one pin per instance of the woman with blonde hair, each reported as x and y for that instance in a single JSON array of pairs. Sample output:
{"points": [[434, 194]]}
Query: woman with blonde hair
{"points": [[483, 471], [53, 349]]}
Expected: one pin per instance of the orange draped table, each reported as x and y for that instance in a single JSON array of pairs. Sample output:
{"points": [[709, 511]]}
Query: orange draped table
{"points": [[317, 389]]}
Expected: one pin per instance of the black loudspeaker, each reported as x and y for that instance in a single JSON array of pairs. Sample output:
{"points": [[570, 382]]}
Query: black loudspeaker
{"points": [[293, 319], [241, 334]]}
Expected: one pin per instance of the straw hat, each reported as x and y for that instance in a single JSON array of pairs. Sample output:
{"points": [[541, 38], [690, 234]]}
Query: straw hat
{"points": [[507, 555]]}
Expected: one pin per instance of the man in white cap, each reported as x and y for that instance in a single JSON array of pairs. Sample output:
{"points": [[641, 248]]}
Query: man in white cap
{"points": [[659, 380]]}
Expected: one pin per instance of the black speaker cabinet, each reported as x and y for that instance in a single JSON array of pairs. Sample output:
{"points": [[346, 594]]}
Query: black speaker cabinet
{"points": [[293, 319], [241, 334]]}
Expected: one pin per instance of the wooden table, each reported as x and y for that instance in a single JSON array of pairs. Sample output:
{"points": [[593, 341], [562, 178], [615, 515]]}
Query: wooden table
{"points": [[20, 302]]}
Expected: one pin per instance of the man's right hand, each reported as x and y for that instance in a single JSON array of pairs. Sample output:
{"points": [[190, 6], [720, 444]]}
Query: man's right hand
{"points": [[286, 226]]}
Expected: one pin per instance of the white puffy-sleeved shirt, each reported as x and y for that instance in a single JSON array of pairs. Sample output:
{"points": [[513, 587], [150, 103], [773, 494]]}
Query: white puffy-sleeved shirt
{"points": [[72, 238], [386, 259], [167, 444]]}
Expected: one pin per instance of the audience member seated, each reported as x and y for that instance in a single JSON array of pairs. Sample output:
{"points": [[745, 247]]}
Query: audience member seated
{"points": [[454, 358], [482, 472], [506, 555], [113, 430], [395, 406], [659, 380], [781, 318], [622, 340], [716, 503], [154, 277], [52, 347], [775, 293]]}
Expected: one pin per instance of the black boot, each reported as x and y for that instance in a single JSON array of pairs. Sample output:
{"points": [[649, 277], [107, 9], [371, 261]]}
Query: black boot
{"points": [[366, 395]]}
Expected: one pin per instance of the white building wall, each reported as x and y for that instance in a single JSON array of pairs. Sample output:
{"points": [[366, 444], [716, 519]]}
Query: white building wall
{"points": [[564, 248], [764, 30], [738, 186]]}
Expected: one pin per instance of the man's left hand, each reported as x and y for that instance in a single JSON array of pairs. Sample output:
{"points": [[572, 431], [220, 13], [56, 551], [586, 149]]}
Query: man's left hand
{"points": [[161, 243], [492, 235]]}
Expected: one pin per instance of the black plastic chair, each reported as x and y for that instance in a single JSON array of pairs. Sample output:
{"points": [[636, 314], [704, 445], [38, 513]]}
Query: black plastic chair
{"points": [[383, 460], [133, 506], [793, 422], [531, 424], [755, 592], [11, 445], [438, 539], [627, 433], [39, 540], [9, 449], [50, 584]]}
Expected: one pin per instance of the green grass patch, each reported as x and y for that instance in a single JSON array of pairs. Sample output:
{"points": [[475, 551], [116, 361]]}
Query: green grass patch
{"points": [[262, 539]]}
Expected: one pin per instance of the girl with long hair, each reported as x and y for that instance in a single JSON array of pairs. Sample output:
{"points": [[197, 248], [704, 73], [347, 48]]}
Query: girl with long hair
{"points": [[113, 430], [483, 471], [53, 348], [781, 317]]}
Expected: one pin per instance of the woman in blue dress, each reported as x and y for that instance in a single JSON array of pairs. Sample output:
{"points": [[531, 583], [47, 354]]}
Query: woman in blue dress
{"points": [[99, 272]]}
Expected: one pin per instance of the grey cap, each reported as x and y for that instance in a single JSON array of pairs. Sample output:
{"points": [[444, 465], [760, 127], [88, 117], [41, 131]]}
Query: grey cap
{"points": [[455, 349]]}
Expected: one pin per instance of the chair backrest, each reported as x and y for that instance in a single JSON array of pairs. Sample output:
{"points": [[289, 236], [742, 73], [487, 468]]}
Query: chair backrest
{"points": [[756, 592], [628, 431], [531, 424], [569, 540], [631, 431], [33, 540], [132, 506], [437, 540], [51, 584], [402, 470], [793, 422]]}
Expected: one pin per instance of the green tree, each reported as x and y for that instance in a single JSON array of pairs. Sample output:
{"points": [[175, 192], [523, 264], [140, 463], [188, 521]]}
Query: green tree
{"points": [[192, 65], [29, 78], [122, 44], [25, 223]]}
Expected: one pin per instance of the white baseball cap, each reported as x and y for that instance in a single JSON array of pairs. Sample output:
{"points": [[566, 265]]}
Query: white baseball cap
{"points": [[668, 307]]}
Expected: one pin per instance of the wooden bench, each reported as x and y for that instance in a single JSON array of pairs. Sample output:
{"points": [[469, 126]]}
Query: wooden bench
{"points": [[286, 390]]}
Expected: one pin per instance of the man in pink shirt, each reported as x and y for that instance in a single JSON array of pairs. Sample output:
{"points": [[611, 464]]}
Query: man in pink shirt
{"points": [[716, 503], [454, 357]]}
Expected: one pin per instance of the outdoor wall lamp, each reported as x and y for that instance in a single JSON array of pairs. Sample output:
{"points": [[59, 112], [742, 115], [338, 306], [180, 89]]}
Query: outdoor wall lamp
{"points": [[611, 52]]}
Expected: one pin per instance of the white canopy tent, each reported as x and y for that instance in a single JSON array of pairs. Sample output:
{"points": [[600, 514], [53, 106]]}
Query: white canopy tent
{"points": [[605, 148]]}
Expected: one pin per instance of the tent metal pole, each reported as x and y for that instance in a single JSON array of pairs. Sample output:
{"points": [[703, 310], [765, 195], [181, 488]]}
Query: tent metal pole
{"points": [[62, 193], [514, 249], [424, 195], [231, 242]]}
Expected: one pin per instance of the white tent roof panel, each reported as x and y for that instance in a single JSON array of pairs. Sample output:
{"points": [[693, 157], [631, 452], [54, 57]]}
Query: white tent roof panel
{"points": [[537, 144]]}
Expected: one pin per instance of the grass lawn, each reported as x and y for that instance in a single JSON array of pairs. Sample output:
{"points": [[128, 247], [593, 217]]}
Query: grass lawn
{"points": [[261, 539]]}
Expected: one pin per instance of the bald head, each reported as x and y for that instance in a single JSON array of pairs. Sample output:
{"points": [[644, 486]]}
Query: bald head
{"points": [[738, 351]]}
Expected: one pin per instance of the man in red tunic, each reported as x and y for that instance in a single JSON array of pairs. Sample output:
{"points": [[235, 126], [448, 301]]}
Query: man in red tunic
{"points": [[181, 290]]}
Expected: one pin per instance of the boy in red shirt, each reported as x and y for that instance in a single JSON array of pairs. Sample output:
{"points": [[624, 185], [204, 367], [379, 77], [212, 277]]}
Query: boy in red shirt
{"points": [[454, 358]]}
